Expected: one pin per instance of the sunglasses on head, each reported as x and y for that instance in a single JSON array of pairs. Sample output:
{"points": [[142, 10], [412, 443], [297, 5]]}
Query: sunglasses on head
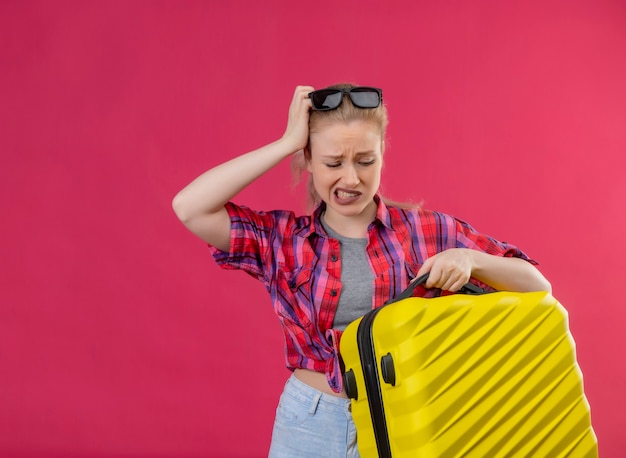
{"points": [[361, 96]]}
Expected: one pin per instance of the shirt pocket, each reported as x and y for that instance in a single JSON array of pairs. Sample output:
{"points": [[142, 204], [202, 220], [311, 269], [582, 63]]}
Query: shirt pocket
{"points": [[411, 270], [399, 276], [294, 296]]}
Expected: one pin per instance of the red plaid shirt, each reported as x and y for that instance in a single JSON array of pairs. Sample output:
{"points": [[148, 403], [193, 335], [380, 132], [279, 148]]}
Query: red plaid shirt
{"points": [[301, 268]]}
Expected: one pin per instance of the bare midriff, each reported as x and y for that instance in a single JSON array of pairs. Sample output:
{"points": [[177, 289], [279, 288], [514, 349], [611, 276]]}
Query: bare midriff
{"points": [[317, 380]]}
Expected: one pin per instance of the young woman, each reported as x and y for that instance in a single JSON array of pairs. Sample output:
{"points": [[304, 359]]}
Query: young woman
{"points": [[352, 253]]}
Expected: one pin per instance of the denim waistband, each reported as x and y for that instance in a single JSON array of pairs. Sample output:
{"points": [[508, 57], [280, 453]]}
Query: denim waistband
{"points": [[305, 393]]}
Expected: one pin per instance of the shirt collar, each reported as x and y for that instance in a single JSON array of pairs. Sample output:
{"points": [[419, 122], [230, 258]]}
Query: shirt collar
{"points": [[314, 224], [382, 213]]}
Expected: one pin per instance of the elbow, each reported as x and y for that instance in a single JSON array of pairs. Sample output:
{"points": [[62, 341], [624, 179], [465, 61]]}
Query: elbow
{"points": [[541, 282], [180, 208], [533, 279], [546, 286]]}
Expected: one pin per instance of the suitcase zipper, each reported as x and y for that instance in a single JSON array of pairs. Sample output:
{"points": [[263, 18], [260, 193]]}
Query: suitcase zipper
{"points": [[365, 344]]}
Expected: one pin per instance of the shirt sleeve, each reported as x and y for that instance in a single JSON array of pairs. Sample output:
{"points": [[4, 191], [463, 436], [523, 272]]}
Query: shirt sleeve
{"points": [[468, 237], [249, 238]]}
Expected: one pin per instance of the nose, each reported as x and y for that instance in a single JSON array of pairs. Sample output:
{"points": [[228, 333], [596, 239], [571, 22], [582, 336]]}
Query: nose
{"points": [[350, 176]]}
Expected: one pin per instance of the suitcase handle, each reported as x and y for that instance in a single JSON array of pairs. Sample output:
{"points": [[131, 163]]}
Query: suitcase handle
{"points": [[469, 288]]}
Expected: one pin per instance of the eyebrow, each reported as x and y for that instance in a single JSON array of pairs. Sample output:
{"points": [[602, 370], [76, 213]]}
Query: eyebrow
{"points": [[341, 156]]}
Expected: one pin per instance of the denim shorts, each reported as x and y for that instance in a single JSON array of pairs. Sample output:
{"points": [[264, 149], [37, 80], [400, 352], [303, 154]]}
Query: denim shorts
{"points": [[312, 424]]}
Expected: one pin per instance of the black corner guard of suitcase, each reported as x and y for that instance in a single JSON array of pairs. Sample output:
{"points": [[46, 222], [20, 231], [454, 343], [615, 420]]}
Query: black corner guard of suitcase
{"points": [[365, 345]]}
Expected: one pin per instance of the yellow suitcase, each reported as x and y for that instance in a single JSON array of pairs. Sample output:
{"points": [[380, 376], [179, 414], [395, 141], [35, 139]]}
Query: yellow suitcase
{"points": [[488, 375]]}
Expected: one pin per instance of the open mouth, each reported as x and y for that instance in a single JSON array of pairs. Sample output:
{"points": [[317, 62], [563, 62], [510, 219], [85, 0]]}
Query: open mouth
{"points": [[347, 194], [346, 197]]}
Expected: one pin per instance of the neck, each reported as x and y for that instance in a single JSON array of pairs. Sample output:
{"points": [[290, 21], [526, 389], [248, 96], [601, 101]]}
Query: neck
{"points": [[351, 226]]}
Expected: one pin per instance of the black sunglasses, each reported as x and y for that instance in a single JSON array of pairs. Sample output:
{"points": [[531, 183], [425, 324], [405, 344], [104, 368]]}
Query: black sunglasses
{"points": [[361, 96]]}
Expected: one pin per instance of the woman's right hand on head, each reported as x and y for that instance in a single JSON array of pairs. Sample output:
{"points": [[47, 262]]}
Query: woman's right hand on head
{"points": [[297, 131]]}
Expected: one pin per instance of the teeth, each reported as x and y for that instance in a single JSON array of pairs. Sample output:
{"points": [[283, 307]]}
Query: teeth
{"points": [[346, 195]]}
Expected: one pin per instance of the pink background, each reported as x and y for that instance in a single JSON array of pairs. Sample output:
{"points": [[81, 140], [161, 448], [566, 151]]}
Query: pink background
{"points": [[118, 334]]}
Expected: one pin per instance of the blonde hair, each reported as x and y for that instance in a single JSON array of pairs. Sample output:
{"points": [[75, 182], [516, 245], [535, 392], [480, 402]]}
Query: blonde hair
{"points": [[344, 113]]}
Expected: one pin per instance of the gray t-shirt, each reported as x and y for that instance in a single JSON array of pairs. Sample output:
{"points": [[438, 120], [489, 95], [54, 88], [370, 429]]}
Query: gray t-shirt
{"points": [[357, 279]]}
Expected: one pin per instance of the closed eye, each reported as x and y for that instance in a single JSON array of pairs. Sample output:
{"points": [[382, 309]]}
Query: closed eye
{"points": [[367, 162], [334, 165]]}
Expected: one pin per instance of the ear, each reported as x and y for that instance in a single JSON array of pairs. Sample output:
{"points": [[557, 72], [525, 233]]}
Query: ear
{"points": [[307, 158], [382, 146]]}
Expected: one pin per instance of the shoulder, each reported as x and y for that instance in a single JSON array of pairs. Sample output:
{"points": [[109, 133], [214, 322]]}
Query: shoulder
{"points": [[419, 216]]}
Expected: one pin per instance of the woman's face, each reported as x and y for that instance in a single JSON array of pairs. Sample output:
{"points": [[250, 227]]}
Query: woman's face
{"points": [[345, 165]]}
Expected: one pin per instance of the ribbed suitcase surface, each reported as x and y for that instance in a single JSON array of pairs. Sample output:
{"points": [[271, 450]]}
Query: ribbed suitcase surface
{"points": [[477, 376]]}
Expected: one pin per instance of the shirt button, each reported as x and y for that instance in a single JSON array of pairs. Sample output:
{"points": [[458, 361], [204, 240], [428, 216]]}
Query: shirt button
{"points": [[333, 258], [333, 292]]}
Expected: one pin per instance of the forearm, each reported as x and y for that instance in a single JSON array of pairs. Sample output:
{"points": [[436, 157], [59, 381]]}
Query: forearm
{"points": [[508, 274], [209, 192], [200, 205]]}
